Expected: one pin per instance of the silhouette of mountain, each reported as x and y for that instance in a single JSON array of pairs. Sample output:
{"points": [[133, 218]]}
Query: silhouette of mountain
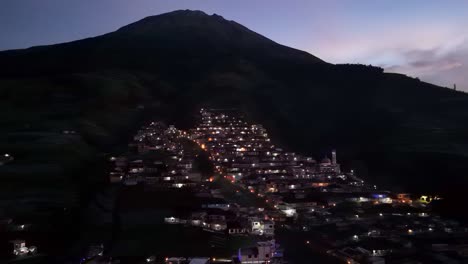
{"points": [[393, 129]]}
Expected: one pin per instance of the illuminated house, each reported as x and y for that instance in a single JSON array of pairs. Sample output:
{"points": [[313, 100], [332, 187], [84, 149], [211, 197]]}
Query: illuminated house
{"points": [[404, 198], [115, 177], [5, 158], [20, 248], [216, 203], [264, 252], [261, 227], [217, 225], [425, 199], [297, 202], [173, 220], [236, 228], [288, 210]]}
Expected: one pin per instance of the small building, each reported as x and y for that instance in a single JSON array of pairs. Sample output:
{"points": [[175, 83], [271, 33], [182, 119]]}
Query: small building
{"points": [[236, 228], [264, 252], [261, 227], [217, 225], [20, 248], [172, 220], [216, 203], [5, 158], [199, 261]]}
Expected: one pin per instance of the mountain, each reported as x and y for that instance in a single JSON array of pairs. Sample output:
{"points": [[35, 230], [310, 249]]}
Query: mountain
{"points": [[394, 130]]}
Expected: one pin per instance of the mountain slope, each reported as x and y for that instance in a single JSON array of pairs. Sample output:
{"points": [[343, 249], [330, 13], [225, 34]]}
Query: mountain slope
{"points": [[394, 129], [153, 41]]}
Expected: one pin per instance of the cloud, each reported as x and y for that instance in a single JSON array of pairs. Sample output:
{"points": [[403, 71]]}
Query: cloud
{"points": [[439, 65]]}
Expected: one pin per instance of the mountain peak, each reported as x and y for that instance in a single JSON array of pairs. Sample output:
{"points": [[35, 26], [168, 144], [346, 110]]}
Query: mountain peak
{"points": [[179, 18], [187, 13], [194, 28]]}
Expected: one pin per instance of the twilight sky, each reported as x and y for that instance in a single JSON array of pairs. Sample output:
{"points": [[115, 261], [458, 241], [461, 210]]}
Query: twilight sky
{"points": [[421, 38]]}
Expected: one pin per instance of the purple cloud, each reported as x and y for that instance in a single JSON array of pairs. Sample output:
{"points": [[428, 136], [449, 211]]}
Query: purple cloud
{"points": [[439, 65]]}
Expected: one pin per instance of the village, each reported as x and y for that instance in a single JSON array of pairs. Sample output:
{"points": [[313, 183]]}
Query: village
{"points": [[257, 188], [223, 192]]}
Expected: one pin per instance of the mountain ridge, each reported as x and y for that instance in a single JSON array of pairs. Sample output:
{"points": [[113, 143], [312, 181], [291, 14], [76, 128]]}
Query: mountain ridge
{"points": [[388, 127]]}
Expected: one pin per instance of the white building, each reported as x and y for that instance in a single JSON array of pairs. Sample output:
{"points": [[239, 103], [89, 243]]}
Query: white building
{"points": [[262, 253], [262, 228]]}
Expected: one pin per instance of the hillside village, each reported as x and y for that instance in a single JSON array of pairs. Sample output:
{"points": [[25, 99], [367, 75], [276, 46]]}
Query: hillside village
{"points": [[257, 188], [225, 181]]}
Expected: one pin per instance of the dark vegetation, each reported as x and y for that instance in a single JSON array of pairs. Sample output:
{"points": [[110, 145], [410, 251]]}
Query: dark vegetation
{"points": [[394, 130]]}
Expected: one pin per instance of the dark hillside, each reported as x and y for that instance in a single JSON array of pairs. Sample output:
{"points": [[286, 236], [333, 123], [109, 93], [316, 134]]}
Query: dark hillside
{"points": [[393, 129]]}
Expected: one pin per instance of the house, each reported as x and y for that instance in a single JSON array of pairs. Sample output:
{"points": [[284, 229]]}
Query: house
{"points": [[347, 254], [5, 158], [300, 202], [194, 176], [268, 228], [115, 177], [217, 225], [404, 198], [130, 180], [20, 248], [264, 252], [175, 260], [375, 260], [185, 164], [199, 261], [197, 218], [173, 220], [236, 228], [287, 209], [216, 203], [261, 227], [277, 216]]}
